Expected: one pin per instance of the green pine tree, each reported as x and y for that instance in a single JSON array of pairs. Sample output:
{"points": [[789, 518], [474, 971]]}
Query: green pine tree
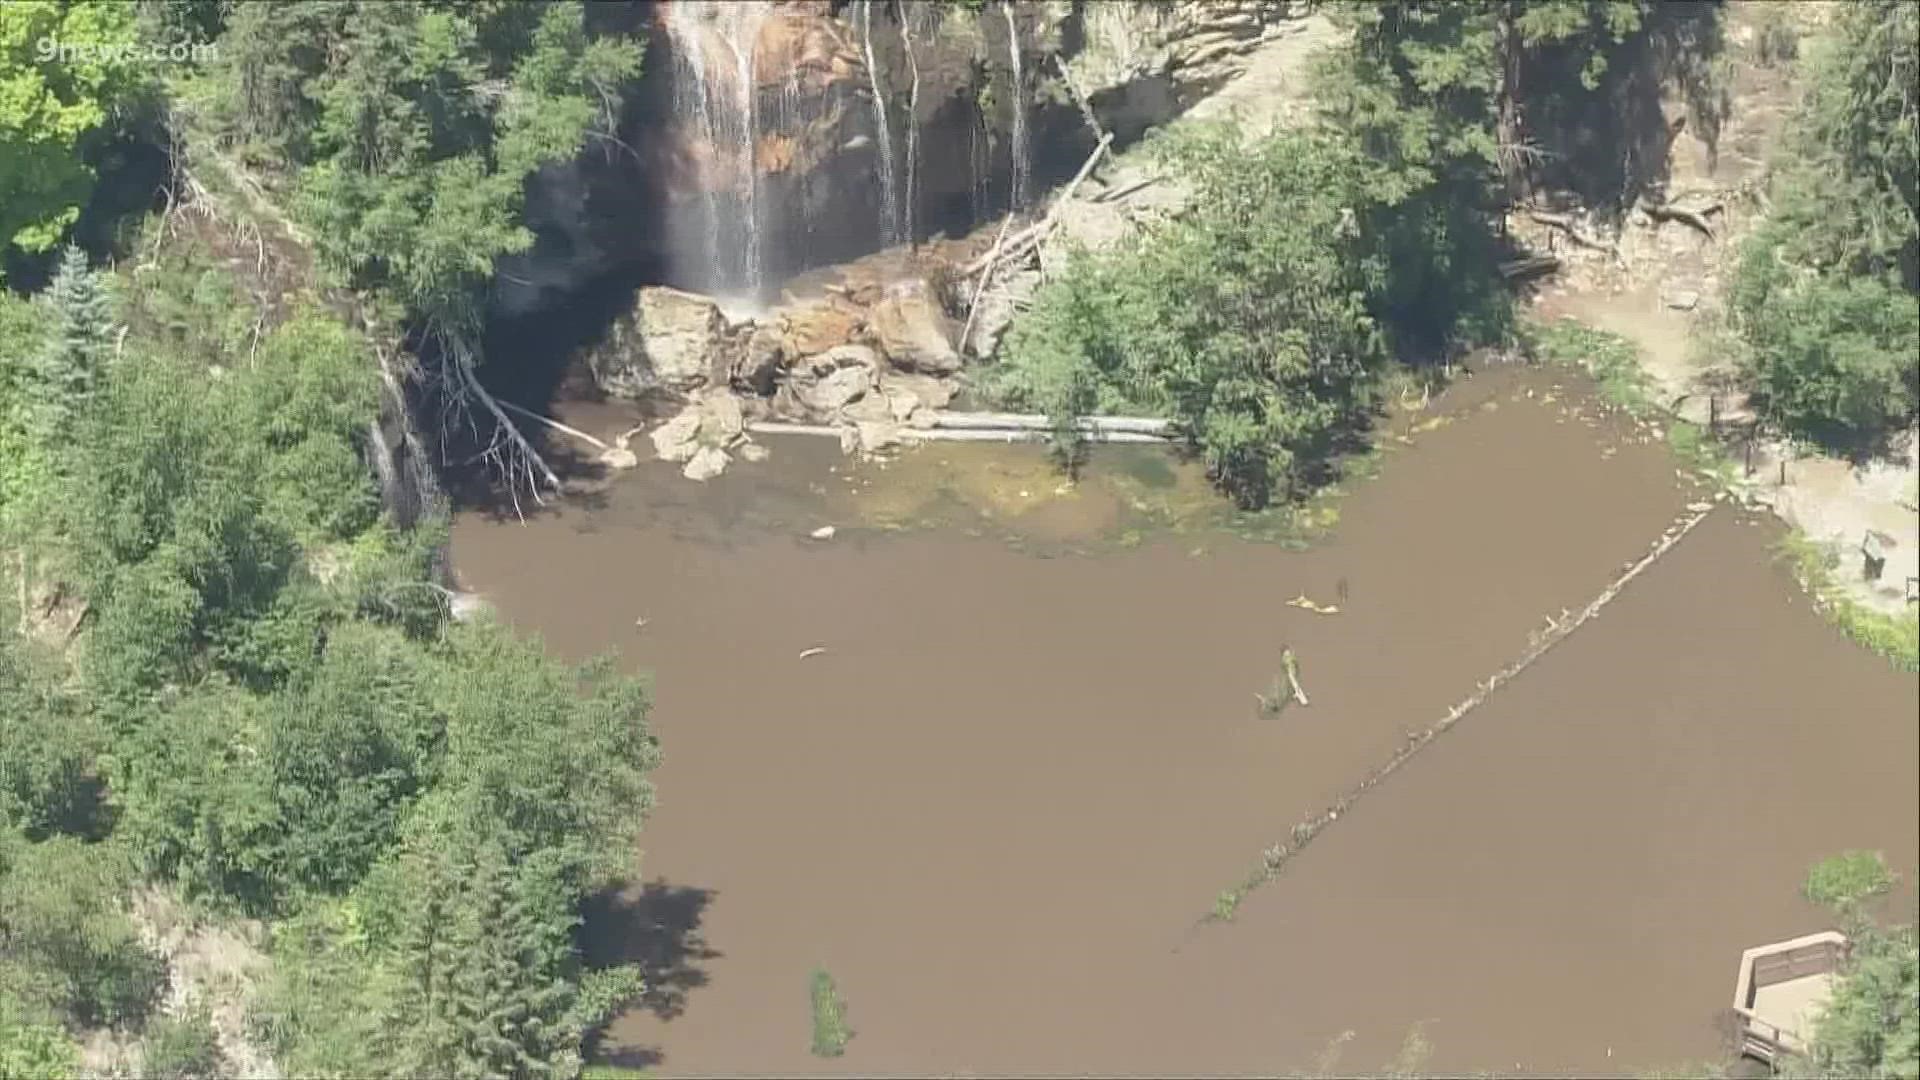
{"points": [[71, 365]]}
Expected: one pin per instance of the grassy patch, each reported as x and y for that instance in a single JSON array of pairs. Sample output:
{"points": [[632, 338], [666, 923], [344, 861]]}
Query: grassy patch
{"points": [[1896, 637], [1690, 443], [830, 1030], [1610, 359]]}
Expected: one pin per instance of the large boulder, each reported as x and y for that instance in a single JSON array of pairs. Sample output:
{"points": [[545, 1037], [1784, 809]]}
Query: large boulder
{"points": [[819, 388], [811, 329], [669, 341], [678, 439], [706, 463], [712, 421], [914, 396], [911, 328], [757, 366]]}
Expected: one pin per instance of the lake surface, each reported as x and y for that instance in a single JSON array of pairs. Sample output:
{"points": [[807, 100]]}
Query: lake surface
{"points": [[1000, 799]]}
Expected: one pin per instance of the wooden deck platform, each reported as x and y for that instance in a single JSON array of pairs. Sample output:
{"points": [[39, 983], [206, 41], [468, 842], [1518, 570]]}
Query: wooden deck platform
{"points": [[1781, 990]]}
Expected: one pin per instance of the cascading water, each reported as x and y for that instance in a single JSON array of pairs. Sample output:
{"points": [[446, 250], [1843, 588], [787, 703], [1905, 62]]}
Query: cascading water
{"points": [[1022, 148], [714, 89], [909, 14], [882, 135], [792, 115]]}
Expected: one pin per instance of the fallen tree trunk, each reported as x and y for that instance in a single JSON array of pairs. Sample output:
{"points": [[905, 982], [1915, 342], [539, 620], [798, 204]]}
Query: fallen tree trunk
{"points": [[1025, 435], [1292, 667], [1027, 239], [980, 287], [1146, 425], [1566, 224], [1530, 267], [517, 454], [1275, 858], [1695, 218], [1124, 190], [555, 425], [911, 434]]}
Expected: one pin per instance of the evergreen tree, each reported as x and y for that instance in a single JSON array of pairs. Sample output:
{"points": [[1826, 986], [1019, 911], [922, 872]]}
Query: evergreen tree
{"points": [[72, 363], [1824, 295]]}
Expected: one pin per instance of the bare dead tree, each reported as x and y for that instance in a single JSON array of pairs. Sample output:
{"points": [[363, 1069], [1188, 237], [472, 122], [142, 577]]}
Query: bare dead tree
{"points": [[506, 452]]}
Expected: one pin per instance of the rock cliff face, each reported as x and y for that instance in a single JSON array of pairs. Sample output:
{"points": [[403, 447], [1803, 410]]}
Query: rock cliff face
{"points": [[768, 138], [789, 152]]}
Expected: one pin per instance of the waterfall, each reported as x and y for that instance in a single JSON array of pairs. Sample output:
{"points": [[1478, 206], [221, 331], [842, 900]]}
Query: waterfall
{"points": [[791, 116], [1022, 150], [714, 90], [908, 12], [882, 136]]}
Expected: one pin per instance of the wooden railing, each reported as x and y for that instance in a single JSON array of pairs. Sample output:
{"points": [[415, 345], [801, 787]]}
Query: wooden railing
{"points": [[1810, 959]]}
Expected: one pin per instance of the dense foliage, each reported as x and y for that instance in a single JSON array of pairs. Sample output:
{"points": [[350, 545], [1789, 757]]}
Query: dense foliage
{"points": [[410, 128], [1261, 319], [227, 677], [1870, 1030], [263, 706], [1246, 321], [54, 106], [1826, 297]]}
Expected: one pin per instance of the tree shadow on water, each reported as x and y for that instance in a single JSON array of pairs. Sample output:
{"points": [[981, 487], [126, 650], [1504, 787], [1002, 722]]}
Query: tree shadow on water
{"points": [[657, 926]]}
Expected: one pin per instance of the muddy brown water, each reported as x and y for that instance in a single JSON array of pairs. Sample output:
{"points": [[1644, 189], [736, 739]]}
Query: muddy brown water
{"points": [[998, 802]]}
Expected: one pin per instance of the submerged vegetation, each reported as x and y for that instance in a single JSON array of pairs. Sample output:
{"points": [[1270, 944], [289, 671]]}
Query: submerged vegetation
{"points": [[830, 1030]]}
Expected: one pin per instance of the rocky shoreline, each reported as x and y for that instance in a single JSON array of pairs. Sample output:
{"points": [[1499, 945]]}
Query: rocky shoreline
{"points": [[870, 351]]}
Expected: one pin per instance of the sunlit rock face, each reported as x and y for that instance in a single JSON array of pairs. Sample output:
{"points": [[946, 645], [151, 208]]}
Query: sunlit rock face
{"points": [[767, 138]]}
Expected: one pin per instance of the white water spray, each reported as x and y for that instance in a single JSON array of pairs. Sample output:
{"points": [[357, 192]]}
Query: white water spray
{"points": [[909, 13], [714, 89], [1022, 150], [883, 136]]}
